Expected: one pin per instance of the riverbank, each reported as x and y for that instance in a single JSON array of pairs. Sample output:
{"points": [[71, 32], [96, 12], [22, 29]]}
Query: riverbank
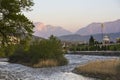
{"points": [[97, 53], [104, 70], [3, 60]]}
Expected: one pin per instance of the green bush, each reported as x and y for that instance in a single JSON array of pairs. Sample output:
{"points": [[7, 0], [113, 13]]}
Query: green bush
{"points": [[6, 51], [2, 53], [39, 51], [20, 55]]}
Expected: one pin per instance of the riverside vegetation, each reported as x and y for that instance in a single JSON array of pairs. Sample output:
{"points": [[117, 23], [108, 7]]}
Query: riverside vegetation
{"points": [[94, 46], [43, 53], [16, 30], [14, 24], [104, 70], [38, 53]]}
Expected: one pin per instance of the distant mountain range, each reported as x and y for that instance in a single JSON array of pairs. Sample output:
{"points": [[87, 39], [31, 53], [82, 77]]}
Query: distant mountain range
{"points": [[112, 29], [46, 31], [98, 37], [95, 28]]}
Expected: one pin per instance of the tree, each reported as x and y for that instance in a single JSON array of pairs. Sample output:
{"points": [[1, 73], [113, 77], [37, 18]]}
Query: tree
{"points": [[13, 21], [91, 41], [118, 40], [46, 49]]}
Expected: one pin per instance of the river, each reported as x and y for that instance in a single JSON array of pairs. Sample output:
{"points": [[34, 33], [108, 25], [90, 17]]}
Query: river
{"points": [[10, 71]]}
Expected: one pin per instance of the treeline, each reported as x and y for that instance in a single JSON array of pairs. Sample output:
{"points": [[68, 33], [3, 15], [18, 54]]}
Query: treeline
{"points": [[95, 48]]}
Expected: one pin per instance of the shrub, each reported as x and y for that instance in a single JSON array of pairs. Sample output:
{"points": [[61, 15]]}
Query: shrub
{"points": [[20, 55], [40, 52], [2, 53], [6, 51]]}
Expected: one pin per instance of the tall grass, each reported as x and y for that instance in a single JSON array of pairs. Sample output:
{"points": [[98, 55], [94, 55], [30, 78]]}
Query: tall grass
{"points": [[105, 70], [46, 63]]}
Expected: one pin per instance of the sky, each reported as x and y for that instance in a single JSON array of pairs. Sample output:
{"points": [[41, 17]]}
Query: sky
{"points": [[74, 14]]}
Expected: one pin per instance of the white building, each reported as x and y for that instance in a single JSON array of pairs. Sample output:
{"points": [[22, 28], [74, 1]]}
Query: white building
{"points": [[106, 39]]}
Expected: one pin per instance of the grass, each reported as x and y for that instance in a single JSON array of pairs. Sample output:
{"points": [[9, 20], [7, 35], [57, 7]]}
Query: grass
{"points": [[41, 63], [46, 63], [104, 70]]}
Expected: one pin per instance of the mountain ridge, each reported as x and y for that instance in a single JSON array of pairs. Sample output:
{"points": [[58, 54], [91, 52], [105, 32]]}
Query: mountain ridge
{"points": [[46, 31], [95, 28]]}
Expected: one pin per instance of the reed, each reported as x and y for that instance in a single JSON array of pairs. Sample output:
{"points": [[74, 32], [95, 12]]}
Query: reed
{"points": [[105, 69], [46, 63]]}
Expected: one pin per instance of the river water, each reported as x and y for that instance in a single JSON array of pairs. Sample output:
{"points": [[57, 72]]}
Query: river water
{"points": [[10, 71]]}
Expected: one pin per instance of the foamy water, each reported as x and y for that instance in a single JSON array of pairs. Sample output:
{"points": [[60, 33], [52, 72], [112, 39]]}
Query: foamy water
{"points": [[19, 72]]}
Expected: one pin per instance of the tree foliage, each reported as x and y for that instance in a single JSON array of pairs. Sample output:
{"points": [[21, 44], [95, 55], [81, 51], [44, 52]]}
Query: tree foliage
{"points": [[91, 41], [50, 49], [13, 21]]}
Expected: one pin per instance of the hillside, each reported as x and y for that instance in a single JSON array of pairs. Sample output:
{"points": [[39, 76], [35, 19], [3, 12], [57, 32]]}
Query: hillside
{"points": [[95, 28]]}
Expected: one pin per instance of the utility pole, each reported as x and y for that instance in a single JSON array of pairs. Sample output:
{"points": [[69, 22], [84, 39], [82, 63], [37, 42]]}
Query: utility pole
{"points": [[102, 28]]}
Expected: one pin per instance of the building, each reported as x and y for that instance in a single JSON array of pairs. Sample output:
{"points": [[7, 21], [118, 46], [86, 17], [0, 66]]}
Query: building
{"points": [[71, 43], [106, 39]]}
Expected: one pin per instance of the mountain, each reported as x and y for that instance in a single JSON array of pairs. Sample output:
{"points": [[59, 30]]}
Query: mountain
{"points": [[46, 31], [98, 37], [95, 28]]}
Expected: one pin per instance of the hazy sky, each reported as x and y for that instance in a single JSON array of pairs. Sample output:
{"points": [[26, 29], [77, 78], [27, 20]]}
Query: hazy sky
{"points": [[74, 14]]}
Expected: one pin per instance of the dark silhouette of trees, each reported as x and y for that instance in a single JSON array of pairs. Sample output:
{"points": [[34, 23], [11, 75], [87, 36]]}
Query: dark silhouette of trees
{"points": [[91, 41]]}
